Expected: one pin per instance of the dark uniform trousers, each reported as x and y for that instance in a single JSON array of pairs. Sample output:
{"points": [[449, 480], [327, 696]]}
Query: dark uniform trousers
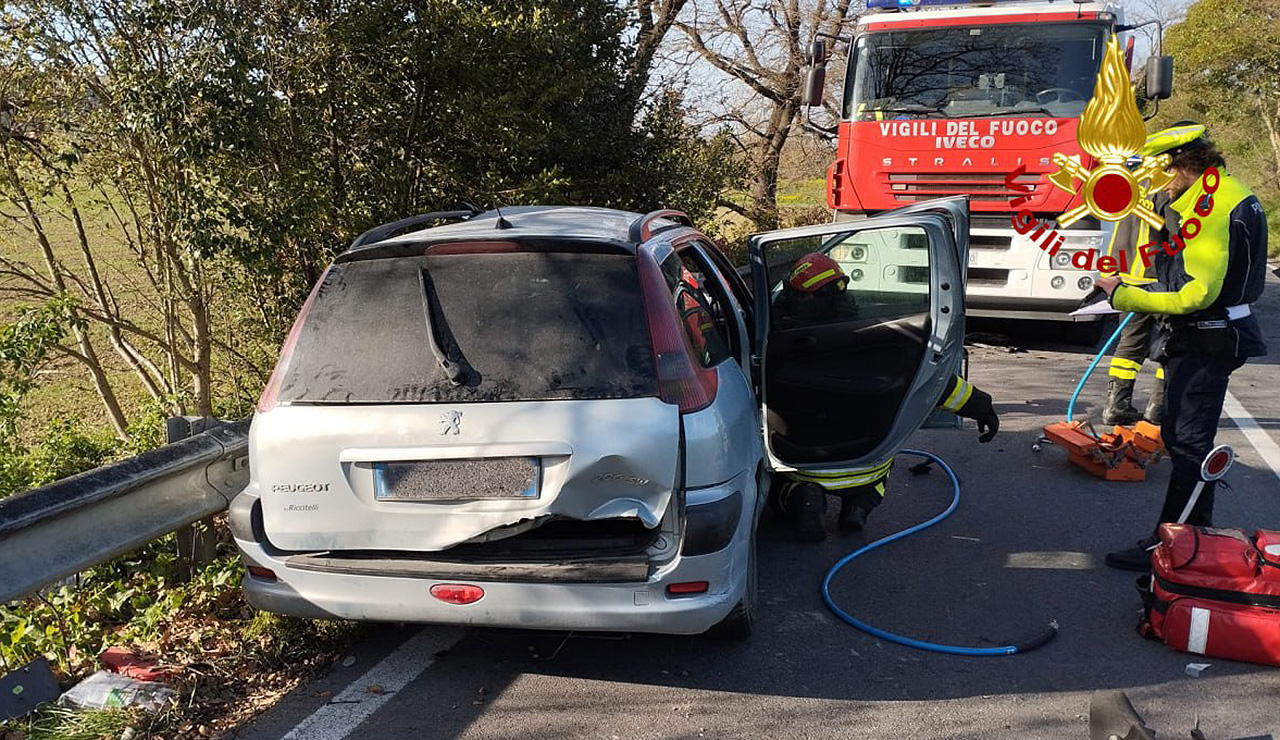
{"points": [[1196, 387]]}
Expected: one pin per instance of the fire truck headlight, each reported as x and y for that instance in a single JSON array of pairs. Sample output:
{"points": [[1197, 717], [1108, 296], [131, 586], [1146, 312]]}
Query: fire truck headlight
{"points": [[855, 275], [1062, 260], [1080, 241], [1057, 282], [1085, 283]]}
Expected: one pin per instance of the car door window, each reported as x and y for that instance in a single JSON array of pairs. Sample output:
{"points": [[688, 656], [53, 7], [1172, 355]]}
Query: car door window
{"points": [[702, 314], [849, 374], [742, 302], [886, 274]]}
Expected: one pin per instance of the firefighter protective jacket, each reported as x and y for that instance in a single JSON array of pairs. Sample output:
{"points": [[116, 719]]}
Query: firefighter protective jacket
{"points": [[1219, 271]]}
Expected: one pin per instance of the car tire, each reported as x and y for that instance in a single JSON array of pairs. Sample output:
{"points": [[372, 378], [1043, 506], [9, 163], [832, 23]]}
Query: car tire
{"points": [[739, 623]]}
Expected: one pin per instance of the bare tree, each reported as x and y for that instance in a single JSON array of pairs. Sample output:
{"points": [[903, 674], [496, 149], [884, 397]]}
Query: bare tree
{"points": [[763, 46], [1167, 12], [653, 21]]}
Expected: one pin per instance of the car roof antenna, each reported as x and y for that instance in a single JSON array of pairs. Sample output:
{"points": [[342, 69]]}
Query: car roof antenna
{"points": [[502, 222]]}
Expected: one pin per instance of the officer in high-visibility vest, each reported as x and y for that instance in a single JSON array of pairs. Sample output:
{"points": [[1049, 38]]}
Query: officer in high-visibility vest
{"points": [[1133, 346], [1207, 276], [814, 290]]}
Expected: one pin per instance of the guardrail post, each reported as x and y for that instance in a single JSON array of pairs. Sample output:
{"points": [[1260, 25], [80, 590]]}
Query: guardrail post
{"points": [[198, 542]]}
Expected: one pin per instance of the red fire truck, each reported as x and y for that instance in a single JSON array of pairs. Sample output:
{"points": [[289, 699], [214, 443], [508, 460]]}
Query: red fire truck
{"points": [[945, 97]]}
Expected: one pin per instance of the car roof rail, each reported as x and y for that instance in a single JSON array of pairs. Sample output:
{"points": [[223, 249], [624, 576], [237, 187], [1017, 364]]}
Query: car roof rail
{"points": [[642, 228], [378, 233]]}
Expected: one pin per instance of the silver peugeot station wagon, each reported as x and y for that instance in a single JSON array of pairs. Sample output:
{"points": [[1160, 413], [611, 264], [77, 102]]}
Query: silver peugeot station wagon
{"points": [[567, 418]]}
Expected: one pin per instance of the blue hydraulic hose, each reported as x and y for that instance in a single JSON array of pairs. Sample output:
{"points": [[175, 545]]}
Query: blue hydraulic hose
{"points": [[1025, 646], [1071, 407]]}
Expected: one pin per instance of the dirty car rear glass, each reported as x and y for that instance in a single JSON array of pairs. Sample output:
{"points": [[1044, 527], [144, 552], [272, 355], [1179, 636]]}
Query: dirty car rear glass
{"points": [[533, 325]]}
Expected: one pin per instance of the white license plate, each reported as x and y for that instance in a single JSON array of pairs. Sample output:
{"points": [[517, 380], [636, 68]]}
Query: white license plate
{"points": [[457, 480]]}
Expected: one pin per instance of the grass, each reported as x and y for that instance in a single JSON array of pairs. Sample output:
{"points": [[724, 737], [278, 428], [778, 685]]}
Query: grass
{"points": [[802, 193], [62, 723]]}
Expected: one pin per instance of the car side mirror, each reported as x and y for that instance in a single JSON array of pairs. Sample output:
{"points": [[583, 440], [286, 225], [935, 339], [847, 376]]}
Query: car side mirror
{"points": [[815, 76], [1159, 77]]}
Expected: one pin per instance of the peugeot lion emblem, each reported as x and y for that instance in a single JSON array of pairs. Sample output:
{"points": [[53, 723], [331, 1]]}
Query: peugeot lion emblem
{"points": [[451, 421]]}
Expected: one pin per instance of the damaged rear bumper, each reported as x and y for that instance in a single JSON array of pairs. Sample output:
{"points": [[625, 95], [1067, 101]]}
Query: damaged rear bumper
{"points": [[616, 594]]}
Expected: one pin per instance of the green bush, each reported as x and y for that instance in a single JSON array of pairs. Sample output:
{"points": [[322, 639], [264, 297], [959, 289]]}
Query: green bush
{"points": [[66, 447]]}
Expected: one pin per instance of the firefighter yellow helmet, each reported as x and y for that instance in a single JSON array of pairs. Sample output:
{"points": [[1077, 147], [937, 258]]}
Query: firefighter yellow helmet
{"points": [[1174, 137]]}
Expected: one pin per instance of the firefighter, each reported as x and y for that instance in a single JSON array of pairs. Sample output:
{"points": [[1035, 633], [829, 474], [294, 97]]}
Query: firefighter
{"points": [[815, 292], [1204, 286], [1135, 339]]}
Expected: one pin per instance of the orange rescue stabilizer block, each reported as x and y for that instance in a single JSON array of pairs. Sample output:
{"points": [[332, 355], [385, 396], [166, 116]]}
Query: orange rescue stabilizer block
{"points": [[1122, 454]]}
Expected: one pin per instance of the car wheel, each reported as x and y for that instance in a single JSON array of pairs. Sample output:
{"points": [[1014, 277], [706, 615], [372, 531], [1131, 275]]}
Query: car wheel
{"points": [[740, 621]]}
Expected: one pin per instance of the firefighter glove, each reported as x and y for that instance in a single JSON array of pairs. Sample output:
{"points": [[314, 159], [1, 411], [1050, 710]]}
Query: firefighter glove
{"points": [[979, 408]]}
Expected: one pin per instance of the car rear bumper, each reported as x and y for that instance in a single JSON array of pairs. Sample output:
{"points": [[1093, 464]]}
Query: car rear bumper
{"points": [[640, 606]]}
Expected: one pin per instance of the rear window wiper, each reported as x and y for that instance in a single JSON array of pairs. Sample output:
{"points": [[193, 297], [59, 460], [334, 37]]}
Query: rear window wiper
{"points": [[452, 370]]}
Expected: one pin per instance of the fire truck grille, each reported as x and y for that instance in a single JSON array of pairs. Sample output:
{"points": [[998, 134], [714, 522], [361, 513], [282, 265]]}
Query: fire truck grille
{"points": [[988, 243], [988, 277], [989, 187]]}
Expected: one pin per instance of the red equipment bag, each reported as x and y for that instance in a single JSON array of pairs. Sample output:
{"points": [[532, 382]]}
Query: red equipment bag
{"points": [[1215, 592]]}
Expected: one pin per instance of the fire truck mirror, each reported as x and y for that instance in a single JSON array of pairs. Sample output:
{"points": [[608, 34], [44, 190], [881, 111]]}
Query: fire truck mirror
{"points": [[814, 80], [1159, 77], [818, 53], [815, 76]]}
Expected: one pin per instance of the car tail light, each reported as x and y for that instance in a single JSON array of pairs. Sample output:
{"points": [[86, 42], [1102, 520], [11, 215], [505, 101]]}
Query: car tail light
{"points": [[681, 379], [265, 574], [457, 593], [271, 393], [687, 589]]}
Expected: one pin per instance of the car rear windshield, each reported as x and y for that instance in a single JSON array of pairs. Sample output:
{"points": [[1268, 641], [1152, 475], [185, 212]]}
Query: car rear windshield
{"points": [[519, 326]]}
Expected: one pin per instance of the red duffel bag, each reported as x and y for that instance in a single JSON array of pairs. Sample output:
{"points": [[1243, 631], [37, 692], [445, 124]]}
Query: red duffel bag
{"points": [[1215, 592]]}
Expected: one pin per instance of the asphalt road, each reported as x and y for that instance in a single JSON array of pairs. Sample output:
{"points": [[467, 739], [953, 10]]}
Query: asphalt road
{"points": [[1025, 547]]}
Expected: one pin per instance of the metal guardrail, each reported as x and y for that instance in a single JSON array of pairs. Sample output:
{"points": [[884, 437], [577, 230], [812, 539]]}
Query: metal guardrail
{"points": [[65, 527]]}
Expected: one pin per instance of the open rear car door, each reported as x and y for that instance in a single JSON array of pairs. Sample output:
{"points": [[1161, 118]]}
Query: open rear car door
{"points": [[845, 380]]}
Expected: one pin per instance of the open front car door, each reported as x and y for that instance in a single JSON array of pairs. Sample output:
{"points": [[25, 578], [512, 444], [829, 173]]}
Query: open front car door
{"points": [[847, 376]]}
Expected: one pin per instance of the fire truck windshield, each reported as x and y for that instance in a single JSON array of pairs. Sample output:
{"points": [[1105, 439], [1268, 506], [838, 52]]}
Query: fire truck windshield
{"points": [[974, 71]]}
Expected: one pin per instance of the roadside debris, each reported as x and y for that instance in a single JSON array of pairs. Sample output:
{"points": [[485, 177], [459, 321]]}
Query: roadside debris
{"points": [[993, 341], [107, 690], [1195, 669], [130, 663], [24, 689]]}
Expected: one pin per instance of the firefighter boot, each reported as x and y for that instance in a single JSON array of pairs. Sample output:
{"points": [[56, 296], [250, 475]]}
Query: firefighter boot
{"points": [[1155, 403], [1120, 408], [808, 507], [1136, 558], [854, 510]]}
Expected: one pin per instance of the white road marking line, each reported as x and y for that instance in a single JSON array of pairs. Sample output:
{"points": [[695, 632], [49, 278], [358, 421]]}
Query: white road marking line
{"points": [[344, 712], [1257, 436]]}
